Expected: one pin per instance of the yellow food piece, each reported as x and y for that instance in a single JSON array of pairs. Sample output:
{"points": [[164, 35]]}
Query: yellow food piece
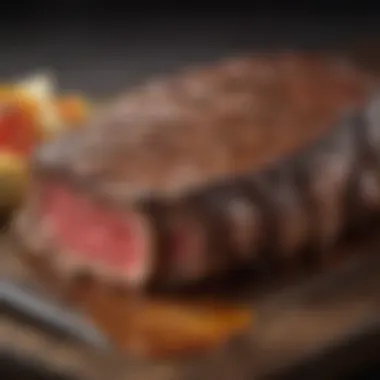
{"points": [[13, 178], [40, 89], [13, 95]]}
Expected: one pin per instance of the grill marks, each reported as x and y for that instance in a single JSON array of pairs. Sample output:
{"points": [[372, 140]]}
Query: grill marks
{"points": [[162, 150], [285, 215], [293, 212]]}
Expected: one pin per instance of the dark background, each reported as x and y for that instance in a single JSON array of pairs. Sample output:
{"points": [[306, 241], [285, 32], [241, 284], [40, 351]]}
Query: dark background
{"points": [[103, 46]]}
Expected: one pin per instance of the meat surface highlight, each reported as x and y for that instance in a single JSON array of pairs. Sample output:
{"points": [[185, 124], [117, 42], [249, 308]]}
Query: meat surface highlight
{"points": [[112, 198]]}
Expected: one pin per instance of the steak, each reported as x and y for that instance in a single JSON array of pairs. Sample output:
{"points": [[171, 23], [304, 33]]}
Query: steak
{"points": [[244, 163]]}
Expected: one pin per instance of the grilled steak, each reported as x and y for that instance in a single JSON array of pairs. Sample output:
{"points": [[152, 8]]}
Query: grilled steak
{"points": [[185, 178]]}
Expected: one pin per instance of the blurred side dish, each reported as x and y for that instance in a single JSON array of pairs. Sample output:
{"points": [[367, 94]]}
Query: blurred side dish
{"points": [[31, 111]]}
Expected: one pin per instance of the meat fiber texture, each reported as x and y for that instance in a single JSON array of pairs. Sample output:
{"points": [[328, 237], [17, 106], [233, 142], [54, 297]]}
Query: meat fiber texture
{"points": [[122, 198]]}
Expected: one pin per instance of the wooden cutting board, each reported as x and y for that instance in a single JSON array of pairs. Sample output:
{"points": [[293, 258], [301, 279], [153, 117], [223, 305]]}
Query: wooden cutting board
{"points": [[291, 327]]}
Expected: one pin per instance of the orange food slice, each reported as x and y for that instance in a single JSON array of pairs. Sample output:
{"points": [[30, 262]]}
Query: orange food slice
{"points": [[72, 109], [160, 327]]}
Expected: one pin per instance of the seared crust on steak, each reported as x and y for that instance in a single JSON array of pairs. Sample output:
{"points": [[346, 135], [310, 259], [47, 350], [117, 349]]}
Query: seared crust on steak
{"points": [[194, 164], [175, 134]]}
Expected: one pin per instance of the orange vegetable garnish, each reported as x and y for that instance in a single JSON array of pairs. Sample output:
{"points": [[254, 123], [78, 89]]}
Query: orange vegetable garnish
{"points": [[72, 109], [30, 112], [159, 327]]}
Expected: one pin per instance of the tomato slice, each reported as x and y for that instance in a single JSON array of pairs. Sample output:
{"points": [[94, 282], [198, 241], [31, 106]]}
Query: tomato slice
{"points": [[17, 129]]}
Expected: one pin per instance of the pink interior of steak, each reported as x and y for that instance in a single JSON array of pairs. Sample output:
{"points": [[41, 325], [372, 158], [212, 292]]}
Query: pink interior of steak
{"points": [[95, 236], [87, 234]]}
